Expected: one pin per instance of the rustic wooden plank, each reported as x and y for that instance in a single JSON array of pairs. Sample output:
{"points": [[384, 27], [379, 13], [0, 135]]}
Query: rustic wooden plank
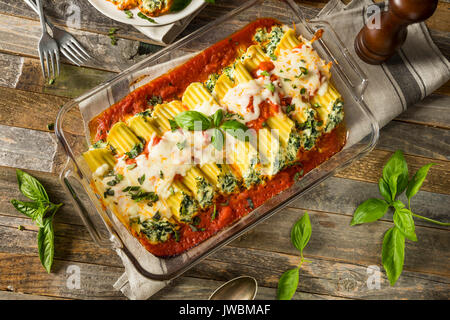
{"points": [[8, 295], [343, 196], [41, 110], [200, 289], [25, 74], [27, 149], [434, 111], [319, 276], [26, 275], [319, 279], [335, 239], [416, 139], [370, 169], [21, 36], [96, 282]]}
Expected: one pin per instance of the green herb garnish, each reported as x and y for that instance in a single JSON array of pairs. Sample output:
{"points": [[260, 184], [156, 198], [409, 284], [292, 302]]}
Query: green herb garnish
{"points": [[392, 184], [132, 166], [214, 213], [143, 16], [154, 100], [128, 13], [290, 108], [300, 234], [41, 211], [181, 145], [135, 151], [270, 87]]}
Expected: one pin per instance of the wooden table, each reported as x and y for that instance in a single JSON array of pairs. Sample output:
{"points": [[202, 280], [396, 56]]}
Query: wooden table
{"points": [[339, 253]]}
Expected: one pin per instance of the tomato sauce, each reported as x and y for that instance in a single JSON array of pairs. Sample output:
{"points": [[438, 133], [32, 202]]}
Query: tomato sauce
{"points": [[171, 86]]}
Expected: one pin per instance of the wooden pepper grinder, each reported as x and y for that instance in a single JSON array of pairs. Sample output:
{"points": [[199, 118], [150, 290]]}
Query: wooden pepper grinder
{"points": [[375, 45]]}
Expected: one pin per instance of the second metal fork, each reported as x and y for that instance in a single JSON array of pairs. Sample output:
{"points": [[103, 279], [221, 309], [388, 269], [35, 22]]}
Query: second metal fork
{"points": [[68, 45], [48, 48]]}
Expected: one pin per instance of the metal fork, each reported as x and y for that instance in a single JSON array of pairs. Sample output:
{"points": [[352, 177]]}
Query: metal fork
{"points": [[48, 48], [68, 45]]}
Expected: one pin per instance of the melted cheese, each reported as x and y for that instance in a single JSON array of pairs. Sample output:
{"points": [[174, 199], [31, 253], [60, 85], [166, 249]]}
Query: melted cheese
{"points": [[208, 108], [245, 98], [291, 65]]}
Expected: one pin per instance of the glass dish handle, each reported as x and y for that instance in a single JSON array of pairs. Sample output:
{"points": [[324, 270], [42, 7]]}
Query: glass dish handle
{"points": [[110, 241]]}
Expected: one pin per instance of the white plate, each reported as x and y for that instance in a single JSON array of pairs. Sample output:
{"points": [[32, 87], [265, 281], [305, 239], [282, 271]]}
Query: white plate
{"points": [[111, 11]]}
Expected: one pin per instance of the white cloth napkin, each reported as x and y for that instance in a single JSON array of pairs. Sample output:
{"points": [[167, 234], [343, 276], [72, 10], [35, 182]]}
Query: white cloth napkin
{"points": [[415, 72], [167, 33]]}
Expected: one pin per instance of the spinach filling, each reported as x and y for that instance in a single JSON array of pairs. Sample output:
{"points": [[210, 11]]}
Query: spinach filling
{"points": [[336, 115], [309, 131], [275, 36], [294, 144], [156, 229], [211, 82], [227, 183], [229, 72], [153, 5], [260, 35], [251, 177], [188, 207], [205, 192]]}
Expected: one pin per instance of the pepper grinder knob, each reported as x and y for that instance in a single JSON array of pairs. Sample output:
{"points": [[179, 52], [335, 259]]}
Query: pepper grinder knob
{"points": [[376, 44]]}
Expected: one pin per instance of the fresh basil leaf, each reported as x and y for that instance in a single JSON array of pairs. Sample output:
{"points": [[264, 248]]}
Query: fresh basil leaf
{"points": [[301, 232], [416, 182], [217, 139], [143, 16], [395, 173], [217, 117], [287, 285], [30, 209], [384, 190], [188, 120], [178, 5], [31, 187], [393, 254], [369, 211], [405, 223], [33, 210], [236, 129], [46, 246], [398, 205]]}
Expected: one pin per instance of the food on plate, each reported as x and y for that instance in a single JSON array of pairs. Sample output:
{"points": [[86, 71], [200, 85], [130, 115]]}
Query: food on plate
{"points": [[198, 148], [152, 8]]}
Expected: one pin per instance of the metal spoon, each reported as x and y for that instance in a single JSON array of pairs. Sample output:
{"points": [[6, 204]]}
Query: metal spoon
{"points": [[240, 288]]}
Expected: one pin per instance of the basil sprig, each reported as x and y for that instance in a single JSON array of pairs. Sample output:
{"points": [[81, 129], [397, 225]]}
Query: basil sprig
{"points": [[394, 181], [300, 234], [41, 211], [193, 120], [196, 121]]}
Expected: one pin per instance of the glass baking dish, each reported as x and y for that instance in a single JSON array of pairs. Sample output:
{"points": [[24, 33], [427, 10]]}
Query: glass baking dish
{"points": [[102, 224]]}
